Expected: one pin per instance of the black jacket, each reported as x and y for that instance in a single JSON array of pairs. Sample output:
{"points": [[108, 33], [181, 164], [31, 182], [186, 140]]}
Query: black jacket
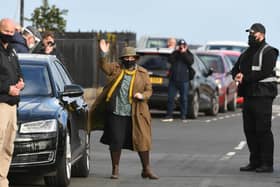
{"points": [[180, 65], [253, 81], [10, 73]]}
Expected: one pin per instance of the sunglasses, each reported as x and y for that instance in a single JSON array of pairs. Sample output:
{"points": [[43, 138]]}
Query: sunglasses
{"points": [[51, 43]]}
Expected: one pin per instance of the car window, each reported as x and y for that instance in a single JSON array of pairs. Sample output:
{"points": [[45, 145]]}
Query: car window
{"points": [[154, 62], [156, 43], [213, 61], [228, 63], [37, 81], [199, 66], [63, 73], [59, 82]]}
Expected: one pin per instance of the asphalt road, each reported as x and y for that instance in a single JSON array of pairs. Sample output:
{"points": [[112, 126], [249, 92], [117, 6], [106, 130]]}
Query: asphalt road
{"points": [[206, 152]]}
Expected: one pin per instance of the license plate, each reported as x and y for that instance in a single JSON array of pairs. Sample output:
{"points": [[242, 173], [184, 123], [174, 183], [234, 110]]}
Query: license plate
{"points": [[156, 80]]}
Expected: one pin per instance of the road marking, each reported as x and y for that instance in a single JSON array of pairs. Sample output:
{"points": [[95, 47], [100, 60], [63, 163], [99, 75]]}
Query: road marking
{"points": [[228, 156], [223, 117], [241, 145]]}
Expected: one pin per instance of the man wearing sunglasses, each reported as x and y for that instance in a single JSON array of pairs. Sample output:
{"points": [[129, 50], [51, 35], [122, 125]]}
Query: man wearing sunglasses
{"points": [[254, 71]]}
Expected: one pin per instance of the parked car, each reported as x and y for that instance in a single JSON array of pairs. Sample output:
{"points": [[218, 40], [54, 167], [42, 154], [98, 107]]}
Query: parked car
{"points": [[159, 42], [203, 91], [52, 138], [221, 66], [233, 56], [225, 45], [153, 42]]}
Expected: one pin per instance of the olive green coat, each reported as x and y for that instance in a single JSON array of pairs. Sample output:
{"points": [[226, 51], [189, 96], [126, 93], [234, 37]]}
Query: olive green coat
{"points": [[141, 117]]}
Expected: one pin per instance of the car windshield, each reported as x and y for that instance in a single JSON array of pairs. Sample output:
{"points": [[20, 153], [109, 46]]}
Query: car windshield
{"points": [[233, 59], [213, 61], [156, 43], [36, 79], [154, 62]]}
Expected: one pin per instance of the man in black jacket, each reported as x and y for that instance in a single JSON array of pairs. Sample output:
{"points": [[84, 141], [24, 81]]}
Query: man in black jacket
{"points": [[11, 82], [254, 71], [181, 60]]}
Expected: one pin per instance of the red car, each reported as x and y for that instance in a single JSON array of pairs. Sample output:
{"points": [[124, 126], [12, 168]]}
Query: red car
{"points": [[233, 56], [221, 65]]}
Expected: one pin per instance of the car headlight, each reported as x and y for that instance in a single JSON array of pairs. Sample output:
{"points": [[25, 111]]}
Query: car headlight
{"points": [[43, 126], [219, 83]]}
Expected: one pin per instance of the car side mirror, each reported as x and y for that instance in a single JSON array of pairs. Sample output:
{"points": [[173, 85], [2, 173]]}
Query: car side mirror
{"points": [[72, 90]]}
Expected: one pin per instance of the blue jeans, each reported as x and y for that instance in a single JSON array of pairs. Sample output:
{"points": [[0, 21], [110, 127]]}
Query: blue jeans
{"points": [[183, 88]]}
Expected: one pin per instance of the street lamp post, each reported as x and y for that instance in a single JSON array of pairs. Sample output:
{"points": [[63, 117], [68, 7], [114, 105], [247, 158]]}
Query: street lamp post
{"points": [[22, 13]]}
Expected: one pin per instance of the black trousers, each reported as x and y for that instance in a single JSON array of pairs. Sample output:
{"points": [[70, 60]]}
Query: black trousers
{"points": [[257, 113]]}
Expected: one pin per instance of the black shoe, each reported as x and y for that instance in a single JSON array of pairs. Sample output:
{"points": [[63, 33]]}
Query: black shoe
{"points": [[264, 169], [167, 119], [249, 167]]}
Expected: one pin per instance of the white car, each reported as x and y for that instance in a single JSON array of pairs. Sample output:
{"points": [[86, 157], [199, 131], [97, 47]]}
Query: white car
{"points": [[225, 45], [153, 42]]}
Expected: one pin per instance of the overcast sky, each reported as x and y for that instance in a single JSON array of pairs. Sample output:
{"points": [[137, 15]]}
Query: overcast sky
{"points": [[197, 21]]}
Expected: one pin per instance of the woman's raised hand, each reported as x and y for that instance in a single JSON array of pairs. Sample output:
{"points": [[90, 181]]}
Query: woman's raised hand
{"points": [[104, 46]]}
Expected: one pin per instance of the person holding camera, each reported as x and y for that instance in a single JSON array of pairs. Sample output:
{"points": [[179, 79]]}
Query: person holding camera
{"points": [[48, 46], [49, 43], [181, 60]]}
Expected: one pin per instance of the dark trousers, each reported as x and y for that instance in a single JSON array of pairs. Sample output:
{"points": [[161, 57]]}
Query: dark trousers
{"points": [[257, 113], [183, 88]]}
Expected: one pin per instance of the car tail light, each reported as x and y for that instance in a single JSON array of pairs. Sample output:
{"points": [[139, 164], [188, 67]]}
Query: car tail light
{"points": [[167, 73]]}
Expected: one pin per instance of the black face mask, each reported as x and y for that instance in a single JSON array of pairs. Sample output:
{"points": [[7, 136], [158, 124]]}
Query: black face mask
{"points": [[252, 41], [6, 38], [128, 64]]}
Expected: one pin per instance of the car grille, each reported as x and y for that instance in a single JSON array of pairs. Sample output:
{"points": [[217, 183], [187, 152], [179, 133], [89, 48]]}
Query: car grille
{"points": [[34, 146], [33, 158]]}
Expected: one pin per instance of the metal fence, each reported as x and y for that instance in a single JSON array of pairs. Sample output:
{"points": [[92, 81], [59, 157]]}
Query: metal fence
{"points": [[80, 52]]}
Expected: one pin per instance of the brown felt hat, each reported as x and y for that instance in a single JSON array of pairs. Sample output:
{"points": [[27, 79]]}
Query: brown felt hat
{"points": [[129, 51]]}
